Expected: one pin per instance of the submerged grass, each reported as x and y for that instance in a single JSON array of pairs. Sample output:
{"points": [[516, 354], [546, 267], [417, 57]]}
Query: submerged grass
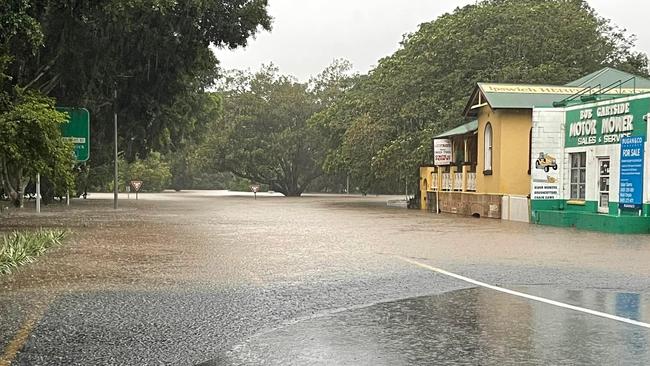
{"points": [[18, 248]]}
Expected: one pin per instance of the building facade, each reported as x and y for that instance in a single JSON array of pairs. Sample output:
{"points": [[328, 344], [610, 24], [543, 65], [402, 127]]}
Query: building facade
{"points": [[513, 126], [590, 165]]}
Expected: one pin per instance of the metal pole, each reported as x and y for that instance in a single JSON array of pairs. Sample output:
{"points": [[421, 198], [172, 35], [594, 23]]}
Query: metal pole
{"points": [[406, 188], [38, 192], [115, 187], [347, 184], [67, 197]]}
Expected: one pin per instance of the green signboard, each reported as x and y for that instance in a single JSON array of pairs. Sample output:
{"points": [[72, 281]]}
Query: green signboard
{"points": [[77, 130], [606, 123]]}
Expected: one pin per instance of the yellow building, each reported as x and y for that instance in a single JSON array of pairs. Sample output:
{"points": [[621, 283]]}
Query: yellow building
{"points": [[486, 172]]}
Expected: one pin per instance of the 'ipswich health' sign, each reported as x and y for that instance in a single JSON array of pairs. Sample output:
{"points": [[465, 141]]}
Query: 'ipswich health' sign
{"points": [[631, 178]]}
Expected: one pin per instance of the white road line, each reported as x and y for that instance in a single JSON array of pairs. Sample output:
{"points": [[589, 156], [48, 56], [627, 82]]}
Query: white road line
{"points": [[527, 296]]}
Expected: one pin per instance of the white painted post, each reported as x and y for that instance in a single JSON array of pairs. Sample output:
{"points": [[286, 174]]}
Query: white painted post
{"points": [[38, 192], [67, 197]]}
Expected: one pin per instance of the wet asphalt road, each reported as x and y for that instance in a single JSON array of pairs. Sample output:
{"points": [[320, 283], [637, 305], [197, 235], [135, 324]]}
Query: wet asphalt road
{"points": [[186, 278]]}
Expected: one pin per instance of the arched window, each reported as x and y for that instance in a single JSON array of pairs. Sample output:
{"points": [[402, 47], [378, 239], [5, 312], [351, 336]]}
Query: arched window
{"points": [[488, 149]]}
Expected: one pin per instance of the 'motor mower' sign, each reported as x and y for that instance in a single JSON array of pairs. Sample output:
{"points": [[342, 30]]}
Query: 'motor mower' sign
{"points": [[606, 124]]}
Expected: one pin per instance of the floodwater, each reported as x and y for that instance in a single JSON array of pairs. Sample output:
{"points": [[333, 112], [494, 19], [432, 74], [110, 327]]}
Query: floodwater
{"points": [[184, 278], [474, 326]]}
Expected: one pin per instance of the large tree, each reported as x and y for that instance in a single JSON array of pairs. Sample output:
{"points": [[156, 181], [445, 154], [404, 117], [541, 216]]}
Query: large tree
{"points": [[153, 53], [264, 135], [380, 130], [30, 136]]}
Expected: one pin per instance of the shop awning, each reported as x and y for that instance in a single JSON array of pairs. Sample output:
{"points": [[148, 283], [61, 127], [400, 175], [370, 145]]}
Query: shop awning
{"points": [[465, 129]]}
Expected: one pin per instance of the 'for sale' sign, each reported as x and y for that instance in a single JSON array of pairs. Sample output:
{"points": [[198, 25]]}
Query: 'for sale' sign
{"points": [[631, 177]]}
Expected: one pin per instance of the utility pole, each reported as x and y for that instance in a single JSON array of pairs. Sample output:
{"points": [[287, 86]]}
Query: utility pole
{"points": [[115, 186]]}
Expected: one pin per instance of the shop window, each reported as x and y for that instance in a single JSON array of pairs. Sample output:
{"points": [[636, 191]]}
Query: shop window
{"points": [[578, 175], [488, 149]]}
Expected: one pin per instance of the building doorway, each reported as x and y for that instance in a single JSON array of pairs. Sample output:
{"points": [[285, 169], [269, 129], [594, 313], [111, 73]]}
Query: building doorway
{"points": [[603, 185]]}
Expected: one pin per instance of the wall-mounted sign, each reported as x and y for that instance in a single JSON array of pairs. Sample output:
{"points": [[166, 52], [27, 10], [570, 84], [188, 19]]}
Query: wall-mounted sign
{"points": [[631, 178], [545, 178], [606, 124], [536, 89], [441, 152]]}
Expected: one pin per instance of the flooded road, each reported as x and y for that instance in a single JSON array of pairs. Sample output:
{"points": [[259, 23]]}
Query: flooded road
{"points": [[464, 327], [185, 278]]}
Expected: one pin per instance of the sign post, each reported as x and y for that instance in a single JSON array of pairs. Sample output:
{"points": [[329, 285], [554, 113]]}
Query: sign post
{"points": [[631, 175], [38, 192], [442, 155], [136, 185], [255, 188]]}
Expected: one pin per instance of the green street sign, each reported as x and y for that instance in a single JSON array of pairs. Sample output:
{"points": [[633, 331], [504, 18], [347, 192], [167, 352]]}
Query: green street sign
{"points": [[77, 130]]}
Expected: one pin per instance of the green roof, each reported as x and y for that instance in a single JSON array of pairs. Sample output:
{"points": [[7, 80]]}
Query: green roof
{"points": [[528, 96], [608, 76], [461, 130]]}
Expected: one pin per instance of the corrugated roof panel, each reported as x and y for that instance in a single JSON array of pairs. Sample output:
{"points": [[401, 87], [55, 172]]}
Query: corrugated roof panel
{"points": [[461, 130], [526, 96], [608, 76]]}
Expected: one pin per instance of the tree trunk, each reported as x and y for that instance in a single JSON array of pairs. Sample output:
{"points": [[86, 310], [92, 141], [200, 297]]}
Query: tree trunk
{"points": [[297, 193], [10, 189], [293, 190], [20, 188]]}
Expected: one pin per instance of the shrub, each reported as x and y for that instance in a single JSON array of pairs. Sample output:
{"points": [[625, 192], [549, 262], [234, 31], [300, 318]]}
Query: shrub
{"points": [[153, 171], [18, 248]]}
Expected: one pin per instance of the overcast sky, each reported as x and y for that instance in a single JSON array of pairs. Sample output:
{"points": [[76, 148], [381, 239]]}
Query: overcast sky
{"points": [[308, 34]]}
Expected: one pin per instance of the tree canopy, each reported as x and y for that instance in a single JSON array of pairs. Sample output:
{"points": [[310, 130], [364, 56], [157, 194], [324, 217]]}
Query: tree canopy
{"points": [[152, 53], [263, 135], [30, 135], [380, 130], [156, 55]]}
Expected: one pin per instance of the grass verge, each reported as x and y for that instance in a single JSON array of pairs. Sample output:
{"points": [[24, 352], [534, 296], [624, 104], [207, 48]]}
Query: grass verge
{"points": [[18, 248]]}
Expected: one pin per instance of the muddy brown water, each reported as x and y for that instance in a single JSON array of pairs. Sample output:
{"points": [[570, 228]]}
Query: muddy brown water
{"points": [[175, 241], [203, 236]]}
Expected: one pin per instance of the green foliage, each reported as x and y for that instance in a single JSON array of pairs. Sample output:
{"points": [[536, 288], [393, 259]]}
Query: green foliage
{"points": [[30, 140], [153, 171], [155, 54], [200, 113], [263, 135], [379, 131], [30, 143], [19, 33], [18, 248]]}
